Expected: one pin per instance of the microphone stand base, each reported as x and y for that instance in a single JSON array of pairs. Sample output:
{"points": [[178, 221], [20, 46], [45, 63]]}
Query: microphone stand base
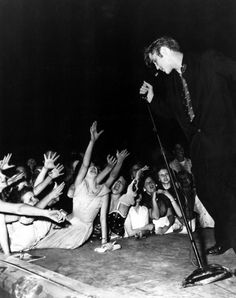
{"points": [[207, 274]]}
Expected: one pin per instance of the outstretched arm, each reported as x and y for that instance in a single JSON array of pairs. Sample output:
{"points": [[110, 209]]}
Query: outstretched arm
{"points": [[49, 164], [121, 156], [94, 135], [11, 180], [24, 209], [53, 174], [54, 194], [111, 161]]}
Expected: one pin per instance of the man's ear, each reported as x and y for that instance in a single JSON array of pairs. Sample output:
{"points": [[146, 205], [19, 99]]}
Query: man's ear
{"points": [[164, 51]]}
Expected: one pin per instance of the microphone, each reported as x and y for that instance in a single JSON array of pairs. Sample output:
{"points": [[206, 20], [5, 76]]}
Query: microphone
{"points": [[144, 96]]}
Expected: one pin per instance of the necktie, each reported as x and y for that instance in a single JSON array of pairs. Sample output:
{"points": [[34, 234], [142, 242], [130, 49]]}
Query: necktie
{"points": [[188, 102]]}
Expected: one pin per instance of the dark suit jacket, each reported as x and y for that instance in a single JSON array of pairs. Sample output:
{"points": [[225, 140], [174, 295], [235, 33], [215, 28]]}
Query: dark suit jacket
{"points": [[212, 134]]}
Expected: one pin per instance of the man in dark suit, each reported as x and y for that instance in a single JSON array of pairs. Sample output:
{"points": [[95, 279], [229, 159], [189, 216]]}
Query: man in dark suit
{"points": [[198, 97]]}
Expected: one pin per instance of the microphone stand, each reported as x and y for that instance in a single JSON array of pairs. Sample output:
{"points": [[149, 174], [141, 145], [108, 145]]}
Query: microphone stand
{"points": [[205, 274]]}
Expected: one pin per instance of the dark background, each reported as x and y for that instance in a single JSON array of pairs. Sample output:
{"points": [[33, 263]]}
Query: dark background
{"points": [[64, 64]]}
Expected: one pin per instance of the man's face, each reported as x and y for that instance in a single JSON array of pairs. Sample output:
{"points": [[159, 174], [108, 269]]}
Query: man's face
{"points": [[179, 151], [161, 63]]}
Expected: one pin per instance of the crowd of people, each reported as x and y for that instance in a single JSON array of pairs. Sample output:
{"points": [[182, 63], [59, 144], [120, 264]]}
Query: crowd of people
{"points": [[55, 205]]}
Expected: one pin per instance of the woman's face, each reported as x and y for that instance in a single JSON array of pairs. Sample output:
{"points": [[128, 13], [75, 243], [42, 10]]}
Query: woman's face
{"points": [[149, 185], [92, 171], [134, 170], [29, 198], [164, 176], [119, 186]]}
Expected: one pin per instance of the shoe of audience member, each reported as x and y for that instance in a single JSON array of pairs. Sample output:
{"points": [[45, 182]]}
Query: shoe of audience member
{"points": [[216, 250], [115, 236], [108, 247]]}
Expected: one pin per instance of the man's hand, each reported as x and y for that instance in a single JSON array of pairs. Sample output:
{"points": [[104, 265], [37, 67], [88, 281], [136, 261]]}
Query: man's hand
{"points": [[50, 159], [147, 91], [93, 132]]}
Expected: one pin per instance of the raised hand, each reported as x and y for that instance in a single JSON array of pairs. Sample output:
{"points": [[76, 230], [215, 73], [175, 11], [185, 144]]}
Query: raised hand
{"points": [[140, 171], [50, 159], [4, 164], [56, 172], [111, 161], [57, 191], [121, 156], [93, 132], [132, 188], [15, 178]]}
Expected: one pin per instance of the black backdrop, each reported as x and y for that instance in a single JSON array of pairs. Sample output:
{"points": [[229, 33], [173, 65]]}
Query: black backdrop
{"points": [[66, 63]]}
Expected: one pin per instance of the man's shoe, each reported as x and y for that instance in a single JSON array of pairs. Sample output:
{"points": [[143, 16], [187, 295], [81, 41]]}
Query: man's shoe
{"points": [[216, 250]]}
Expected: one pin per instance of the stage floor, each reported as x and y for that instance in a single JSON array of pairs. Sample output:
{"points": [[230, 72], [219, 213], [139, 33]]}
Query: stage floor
{"points": [[149, 267]]}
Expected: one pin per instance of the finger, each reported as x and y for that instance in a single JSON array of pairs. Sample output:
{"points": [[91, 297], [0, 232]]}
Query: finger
{"points": [[99, 133], [60, 168], [49, 154]]}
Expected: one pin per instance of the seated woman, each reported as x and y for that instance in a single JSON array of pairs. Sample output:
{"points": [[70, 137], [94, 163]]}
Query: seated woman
{"points": [[120, 204], [25, 232], [161, 205], [166, 189], [88, 198], [117, 187], [137, 221], [21, 209]]}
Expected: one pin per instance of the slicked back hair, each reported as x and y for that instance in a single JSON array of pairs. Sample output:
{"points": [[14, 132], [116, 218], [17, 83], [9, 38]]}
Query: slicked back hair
{"points": [[156, 45]]}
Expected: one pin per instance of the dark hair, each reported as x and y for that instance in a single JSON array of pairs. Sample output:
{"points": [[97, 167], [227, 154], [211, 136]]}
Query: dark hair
{"points": [[24, 190], [147, 174], [156, 45]]}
